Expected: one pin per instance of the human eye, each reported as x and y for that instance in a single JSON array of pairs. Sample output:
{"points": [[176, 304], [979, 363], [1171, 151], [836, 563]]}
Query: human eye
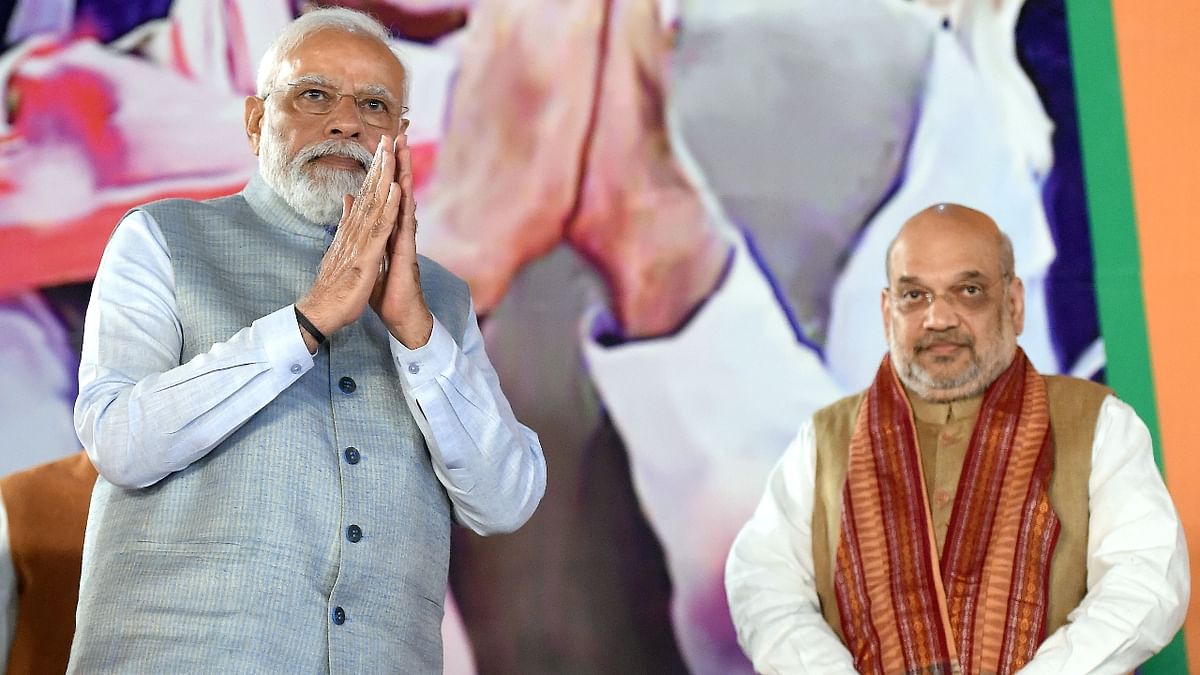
{"points": [[972, 295], [909, 299], [372, 104], [313, 94]]}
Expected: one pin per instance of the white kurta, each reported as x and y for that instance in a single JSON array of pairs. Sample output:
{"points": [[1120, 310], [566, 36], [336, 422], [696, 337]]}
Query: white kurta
{"points": [[1137, 567]]}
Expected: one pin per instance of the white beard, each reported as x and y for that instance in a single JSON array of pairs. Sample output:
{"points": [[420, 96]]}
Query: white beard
{"points": [[312, 190]]}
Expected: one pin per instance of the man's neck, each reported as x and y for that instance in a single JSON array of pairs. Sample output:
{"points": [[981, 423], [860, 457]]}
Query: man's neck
{"points": [[943, 412]]}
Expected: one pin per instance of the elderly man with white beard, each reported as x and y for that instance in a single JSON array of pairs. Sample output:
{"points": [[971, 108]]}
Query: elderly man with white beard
{"points": [[287, 404]]}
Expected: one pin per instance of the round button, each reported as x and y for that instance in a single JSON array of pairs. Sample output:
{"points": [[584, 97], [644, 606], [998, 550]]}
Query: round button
{"points": [[942, 497], [414, 368], [352, 455], [347, 385], [354, 534], [296, 369], [339, 615]]}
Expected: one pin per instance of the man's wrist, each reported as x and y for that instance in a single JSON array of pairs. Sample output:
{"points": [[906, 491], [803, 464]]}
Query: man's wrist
{"points": [[662, 300], [414, 331], [312, 334]]}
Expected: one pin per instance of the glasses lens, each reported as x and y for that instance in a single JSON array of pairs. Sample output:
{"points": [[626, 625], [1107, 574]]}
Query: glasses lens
{"points": [[313, 100], [375, 111]]}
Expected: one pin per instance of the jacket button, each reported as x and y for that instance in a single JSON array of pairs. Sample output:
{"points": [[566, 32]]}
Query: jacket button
{"points": [[347, 385], [339, 616], [354, 534], [352, 455]]}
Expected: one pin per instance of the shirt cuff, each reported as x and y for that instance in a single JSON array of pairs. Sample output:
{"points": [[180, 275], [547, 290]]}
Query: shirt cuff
{"points": [[423, 364], [283, 343]]}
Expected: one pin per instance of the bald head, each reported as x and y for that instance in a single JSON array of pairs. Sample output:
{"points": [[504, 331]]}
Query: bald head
{"points": [[953, 307], [952, 225]]}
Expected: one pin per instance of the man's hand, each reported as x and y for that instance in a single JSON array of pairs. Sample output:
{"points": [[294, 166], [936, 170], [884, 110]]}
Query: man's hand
{"points": [[508, 170], [351, 266], [573, 100], [640, 221], [397, 298]]}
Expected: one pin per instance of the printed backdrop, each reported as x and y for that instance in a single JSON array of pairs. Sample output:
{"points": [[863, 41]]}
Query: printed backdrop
{"points": [[583, 164]]}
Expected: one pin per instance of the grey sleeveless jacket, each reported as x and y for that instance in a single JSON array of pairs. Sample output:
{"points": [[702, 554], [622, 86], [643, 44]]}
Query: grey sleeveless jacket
{"points": [[315, 538]]}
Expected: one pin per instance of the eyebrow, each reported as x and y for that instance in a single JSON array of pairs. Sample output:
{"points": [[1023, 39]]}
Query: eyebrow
{"points": [[376, 90], [322, 81], [969, 275]]}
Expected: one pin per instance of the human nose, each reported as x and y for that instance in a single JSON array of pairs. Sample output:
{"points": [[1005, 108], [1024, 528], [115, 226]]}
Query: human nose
{"points": [[940, 313], [345, 124]]}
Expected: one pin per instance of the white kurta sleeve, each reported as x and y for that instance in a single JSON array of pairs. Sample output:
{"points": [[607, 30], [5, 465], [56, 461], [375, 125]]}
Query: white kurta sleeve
{"points": [[770, 576], [490, 464], [1137, 577], [141, 414]]}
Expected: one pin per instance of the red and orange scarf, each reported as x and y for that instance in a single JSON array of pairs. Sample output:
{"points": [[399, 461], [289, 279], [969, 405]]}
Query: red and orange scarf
{"points": [[981, 608]]}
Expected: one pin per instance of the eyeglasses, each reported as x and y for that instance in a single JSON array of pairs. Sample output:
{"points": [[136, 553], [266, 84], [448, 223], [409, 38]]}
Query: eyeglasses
{"points": [[315, 99], [968, 297]]}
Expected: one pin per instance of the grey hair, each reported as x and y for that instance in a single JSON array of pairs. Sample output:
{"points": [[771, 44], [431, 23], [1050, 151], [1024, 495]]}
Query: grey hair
{"points": [[327, 18]]}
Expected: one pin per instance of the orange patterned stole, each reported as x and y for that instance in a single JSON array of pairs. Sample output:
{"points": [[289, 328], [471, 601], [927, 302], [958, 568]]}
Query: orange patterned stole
{"points": [[982, 607]]}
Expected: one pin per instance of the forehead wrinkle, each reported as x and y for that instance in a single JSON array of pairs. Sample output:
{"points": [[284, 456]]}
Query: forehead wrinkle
{"points": [[312, 78]]}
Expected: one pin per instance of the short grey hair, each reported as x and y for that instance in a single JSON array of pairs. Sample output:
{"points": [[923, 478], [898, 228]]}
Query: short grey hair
{"points": [[328, 18]]}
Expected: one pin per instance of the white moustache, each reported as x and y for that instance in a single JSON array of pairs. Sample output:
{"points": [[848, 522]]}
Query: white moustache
{"points": [[333, 148]]}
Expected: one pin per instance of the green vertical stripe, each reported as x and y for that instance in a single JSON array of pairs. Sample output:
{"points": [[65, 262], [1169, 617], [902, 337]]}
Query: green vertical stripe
{"points": [[1114, 233]]}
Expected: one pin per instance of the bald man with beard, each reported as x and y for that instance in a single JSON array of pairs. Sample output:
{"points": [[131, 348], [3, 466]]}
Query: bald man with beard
{"points": [[964, 513]]}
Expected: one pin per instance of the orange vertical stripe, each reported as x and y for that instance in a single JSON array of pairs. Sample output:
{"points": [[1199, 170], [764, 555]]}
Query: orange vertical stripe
{"points": [[1158, 44]]}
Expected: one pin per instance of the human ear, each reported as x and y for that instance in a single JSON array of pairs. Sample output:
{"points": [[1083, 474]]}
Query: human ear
{"points": [[1016, 304], [253, 116], [884, 309]]}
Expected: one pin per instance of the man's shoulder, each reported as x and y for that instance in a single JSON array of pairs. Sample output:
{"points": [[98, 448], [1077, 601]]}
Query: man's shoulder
{"points": [[1064, 389], [175, 205], [1075, 406], [839, 415], [843, 406]]}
